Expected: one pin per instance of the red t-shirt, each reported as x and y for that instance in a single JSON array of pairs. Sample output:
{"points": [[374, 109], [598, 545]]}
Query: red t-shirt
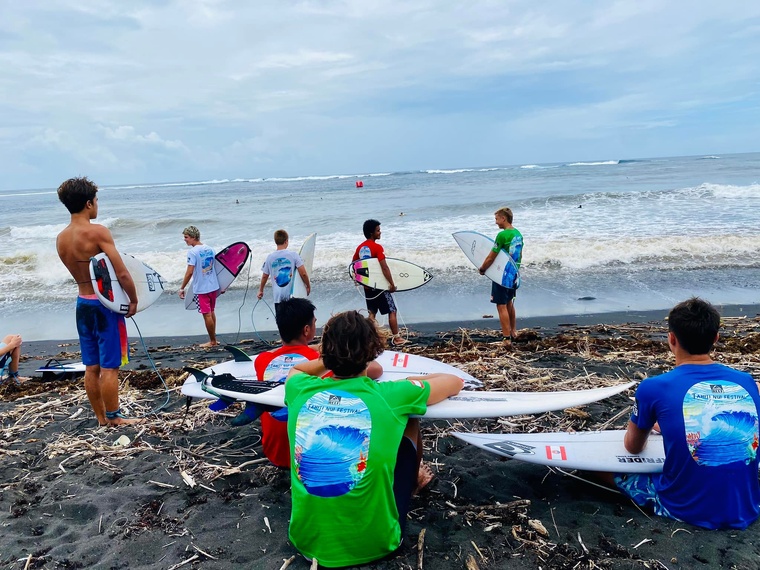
{"points": [[369, 248], [275, 365]]}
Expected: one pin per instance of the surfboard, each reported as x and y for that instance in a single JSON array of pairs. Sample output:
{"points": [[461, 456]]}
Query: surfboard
{"points": [[476, 246], [148, 283], [396, 365], [228, 264], [589, 451], [467, 404], [55, 370], [406, 275], [307, 255]]}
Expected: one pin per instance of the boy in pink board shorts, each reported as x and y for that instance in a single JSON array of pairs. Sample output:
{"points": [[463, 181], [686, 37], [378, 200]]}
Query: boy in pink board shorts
{"points": [[200, 268]]}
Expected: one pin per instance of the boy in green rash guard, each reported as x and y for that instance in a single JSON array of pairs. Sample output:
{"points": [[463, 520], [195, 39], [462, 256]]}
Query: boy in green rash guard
{"points": [[510, 240], [355, 453]]}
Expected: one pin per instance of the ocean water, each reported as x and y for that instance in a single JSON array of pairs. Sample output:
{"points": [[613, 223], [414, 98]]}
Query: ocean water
{"points": [[630, 234]]}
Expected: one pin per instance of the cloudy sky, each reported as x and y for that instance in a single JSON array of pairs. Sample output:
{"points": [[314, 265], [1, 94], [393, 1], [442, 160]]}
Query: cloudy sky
{"points": [[179, 90]]}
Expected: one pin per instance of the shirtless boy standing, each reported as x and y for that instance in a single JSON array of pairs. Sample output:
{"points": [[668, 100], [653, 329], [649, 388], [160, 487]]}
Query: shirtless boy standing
{"points": [[102, 333]]}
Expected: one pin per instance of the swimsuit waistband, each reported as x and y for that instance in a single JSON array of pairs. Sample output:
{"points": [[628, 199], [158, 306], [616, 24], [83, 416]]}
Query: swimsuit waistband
{"points": [[92, 297]]}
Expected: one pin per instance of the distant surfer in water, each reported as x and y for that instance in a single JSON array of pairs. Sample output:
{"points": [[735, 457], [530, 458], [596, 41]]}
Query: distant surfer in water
{"points": [[200, 268], [355, 452], [376, 299], [282, 265], [708, 416], [510, 240], [102, 332]]}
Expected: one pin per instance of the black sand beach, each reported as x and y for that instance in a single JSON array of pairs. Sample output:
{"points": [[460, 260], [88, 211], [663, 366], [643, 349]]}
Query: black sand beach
{"points": [[189, 491]]}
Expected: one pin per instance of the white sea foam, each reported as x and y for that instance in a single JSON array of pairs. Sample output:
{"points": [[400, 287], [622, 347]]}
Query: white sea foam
{"points": [[601, 163]]}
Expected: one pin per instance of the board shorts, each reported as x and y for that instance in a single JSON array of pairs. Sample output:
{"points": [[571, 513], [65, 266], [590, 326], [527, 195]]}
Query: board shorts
{"points": [[379, 301], [102, 335], [405, 479], [502, 295], [207, 302], [274, 437], [5, 358], [639, 487]]}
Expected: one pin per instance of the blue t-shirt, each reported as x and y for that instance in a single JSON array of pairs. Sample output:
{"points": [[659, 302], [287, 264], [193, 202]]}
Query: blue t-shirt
{"points": [[708, 416]]}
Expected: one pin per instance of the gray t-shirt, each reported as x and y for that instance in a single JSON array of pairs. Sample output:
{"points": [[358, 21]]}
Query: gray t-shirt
{"points": [[281, 266]]}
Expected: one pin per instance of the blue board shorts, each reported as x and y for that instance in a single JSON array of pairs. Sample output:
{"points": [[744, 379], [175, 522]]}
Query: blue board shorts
{"points": [[102, 335], [5, 358], [639, 487], [502, 295]]}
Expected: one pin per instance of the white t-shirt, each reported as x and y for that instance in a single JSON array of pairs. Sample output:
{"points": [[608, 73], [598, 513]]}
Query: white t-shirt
{"points": [[281, 266], [204, 277]]}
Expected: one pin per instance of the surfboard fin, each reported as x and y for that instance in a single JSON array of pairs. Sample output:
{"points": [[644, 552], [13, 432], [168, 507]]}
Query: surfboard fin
{"points": [[199, 374], [239, 354]]}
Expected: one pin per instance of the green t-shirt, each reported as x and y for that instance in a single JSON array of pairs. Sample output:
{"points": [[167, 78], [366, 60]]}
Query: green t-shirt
{"points": [[344, 437], [511, 241]]}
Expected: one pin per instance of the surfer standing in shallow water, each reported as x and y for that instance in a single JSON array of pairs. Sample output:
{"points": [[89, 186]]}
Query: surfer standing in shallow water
{"points": [[102, 332], [511, 241], [376, 299], [200, 268]]}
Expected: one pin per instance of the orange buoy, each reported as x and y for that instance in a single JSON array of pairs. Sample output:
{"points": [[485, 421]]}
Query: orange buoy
{"points": [[359, 184]]}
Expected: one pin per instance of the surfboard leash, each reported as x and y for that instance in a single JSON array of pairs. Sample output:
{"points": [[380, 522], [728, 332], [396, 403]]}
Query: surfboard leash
{"points": [[253, 322], [155, 369], [245, 296]]}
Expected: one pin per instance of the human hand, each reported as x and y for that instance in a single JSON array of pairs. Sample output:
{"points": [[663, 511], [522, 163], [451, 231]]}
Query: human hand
{"points": [[131, 310], [15, 341], [392, 288], [181, 293], [260, 294]]}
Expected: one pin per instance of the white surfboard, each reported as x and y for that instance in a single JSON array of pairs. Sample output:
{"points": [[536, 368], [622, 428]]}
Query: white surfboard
{"points": [[467, 404], [589, 451], [396, 365], [228, 264], [148, 283], [307, 255], [406, 275], [55, 370], [476, 246]]}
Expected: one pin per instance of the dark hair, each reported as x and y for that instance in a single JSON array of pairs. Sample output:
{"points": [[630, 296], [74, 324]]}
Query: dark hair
{"points": [[280, 237], [350, 341], [695, 324], [369, 228], [292, 316], [76, 192]]}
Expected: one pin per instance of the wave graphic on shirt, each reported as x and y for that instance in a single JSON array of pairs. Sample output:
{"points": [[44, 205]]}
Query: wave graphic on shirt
{"points": [[721, 424], [332, 443]]}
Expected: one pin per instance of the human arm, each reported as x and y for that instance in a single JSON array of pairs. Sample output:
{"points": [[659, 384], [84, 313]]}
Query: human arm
{"points": [[264, 279], [635, 438], [442, 386], [186, 280], [305, 277], [12, 341], [107, 246], [312, 367], [487, 262], [387, 274]]}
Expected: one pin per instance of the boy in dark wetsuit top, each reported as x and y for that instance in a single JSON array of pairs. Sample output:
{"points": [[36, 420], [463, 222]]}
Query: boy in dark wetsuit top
{"points": [[102, 332]]}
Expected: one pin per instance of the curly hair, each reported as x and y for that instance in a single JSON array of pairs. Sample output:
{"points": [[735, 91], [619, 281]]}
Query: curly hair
{"points": [[350, 341], [74, 193]]}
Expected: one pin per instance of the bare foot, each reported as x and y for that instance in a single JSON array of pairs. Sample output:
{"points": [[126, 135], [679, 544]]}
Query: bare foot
{"points": [[424, 476], [209, 344]]}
